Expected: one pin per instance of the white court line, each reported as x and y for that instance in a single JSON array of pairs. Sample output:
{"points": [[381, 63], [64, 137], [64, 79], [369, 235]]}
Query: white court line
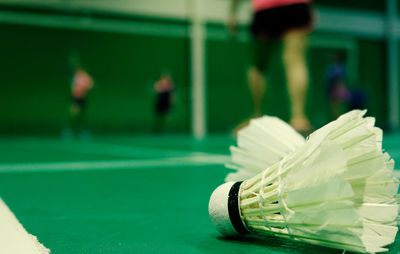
{"points": [[93, 148], [14, 238], [189, 161]]}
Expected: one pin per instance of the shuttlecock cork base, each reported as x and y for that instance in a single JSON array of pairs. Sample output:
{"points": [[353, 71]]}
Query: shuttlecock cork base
{"points": [[224, 210]]}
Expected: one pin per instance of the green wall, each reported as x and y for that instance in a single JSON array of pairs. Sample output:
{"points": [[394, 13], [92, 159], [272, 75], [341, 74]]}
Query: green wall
{"points": [[35, 80], [365, 5], [373, 77]]}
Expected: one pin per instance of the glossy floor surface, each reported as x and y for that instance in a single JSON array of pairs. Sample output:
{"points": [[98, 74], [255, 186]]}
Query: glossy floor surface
{"points": [[127, 194]]}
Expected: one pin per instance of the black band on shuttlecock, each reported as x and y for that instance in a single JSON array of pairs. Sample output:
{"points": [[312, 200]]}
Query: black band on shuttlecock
{"points": [[233, 209]]}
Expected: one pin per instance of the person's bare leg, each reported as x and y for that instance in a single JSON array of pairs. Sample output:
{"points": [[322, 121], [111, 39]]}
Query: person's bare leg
{"points": [[256, 82], [294, 59]]}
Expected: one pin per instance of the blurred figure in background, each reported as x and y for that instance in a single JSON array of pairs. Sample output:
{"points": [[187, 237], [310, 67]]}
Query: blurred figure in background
{"points": [[81, 84], [337, 92], [274, 20], [341, 98], [164, 89]]}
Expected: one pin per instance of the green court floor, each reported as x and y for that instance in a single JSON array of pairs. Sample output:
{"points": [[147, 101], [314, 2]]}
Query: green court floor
{"points": [[120, 194]]}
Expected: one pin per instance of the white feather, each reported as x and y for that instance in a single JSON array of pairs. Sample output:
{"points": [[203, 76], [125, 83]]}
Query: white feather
{"points": [[262, 143]]}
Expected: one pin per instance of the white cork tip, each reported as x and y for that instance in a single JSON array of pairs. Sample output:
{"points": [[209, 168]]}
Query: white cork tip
{"points": [[218, 210]]}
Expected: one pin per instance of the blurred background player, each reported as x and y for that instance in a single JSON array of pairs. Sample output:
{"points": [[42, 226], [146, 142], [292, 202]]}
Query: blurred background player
{"points": [[164, 89], [341, 97], [337, 92], [273, 20], [81, 84]]}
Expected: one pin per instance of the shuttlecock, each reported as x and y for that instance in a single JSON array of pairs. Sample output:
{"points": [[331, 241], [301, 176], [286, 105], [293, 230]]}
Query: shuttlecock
{"points": [[336, 190], [262, 143]]}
